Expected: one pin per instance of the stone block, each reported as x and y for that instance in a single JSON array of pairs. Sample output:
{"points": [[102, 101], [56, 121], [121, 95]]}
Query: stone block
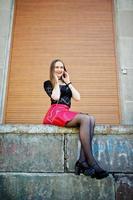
{"points": [[5, 20], [125, 4], [121, 130], [6, 5], [113, 152], [129, 113], [23, 149], [127, 86], [125, 20], [1, 83], [126, 53], [124, 186], [3, 46], [23, 186], [72, 150], [32, 152], [36, 129]]}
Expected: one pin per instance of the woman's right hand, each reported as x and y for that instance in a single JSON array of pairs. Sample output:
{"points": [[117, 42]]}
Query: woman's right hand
{"points": [[56, 78]]}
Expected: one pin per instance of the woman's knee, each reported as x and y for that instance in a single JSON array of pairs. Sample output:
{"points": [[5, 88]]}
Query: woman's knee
{"points": [[83, 118], [92, 119]]}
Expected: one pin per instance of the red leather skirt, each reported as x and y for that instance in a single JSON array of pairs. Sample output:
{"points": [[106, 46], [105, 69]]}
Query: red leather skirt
{"points": [[58, 114]]}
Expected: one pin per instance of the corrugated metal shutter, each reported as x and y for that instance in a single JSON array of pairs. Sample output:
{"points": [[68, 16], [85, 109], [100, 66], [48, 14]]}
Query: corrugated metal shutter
{"points": [[81, 33]]}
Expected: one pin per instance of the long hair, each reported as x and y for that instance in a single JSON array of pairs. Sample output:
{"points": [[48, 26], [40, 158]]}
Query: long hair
{"points": [[52, 67]]}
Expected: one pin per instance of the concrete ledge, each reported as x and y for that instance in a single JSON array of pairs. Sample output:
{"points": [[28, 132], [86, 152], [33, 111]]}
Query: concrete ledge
{"points": [[45, 129], [37, 162], [18, 186], [35, 129], [43, 148]]}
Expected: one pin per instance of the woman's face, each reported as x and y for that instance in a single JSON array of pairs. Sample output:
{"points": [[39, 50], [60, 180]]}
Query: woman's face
{"points": [[59, 69]]}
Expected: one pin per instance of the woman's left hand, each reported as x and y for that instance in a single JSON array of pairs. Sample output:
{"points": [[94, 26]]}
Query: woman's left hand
{"points": [[66, 79], [75, 93]]}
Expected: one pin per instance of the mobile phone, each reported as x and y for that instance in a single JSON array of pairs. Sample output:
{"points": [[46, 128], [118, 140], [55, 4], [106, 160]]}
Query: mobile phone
{"points": [[64, 75]]}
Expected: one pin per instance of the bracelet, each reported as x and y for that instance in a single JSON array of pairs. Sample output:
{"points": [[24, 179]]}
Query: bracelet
{"points": [[69, 83]]}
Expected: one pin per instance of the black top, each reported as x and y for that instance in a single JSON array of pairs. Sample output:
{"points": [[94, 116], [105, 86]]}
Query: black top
{"points": [[66, 94]]}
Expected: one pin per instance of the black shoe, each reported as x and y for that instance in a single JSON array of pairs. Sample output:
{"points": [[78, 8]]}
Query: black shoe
{"points": [[86, 170], [99, 172]]}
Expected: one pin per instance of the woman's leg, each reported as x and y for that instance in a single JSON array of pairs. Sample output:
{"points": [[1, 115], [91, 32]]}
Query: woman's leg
{"points": [[85, 135], [85, 138], [92, 126]]}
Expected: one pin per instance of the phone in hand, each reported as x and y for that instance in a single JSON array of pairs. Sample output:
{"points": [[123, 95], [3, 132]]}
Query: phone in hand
{"points": [[64, 75]]}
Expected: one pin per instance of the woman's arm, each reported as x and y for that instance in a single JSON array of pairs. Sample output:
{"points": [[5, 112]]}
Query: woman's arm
{"points": [[75, 93], [56, 90]]}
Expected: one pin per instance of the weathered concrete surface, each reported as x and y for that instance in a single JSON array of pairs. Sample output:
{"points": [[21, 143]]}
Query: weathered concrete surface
{"points": [[32, 152], [124, 186], [114, 152], [39, 148], [23, 186], [6, 24], [38, 129], [35, 129], [124, 44]]}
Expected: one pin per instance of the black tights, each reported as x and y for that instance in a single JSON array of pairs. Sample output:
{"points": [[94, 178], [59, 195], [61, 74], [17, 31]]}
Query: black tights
{"points": [[82, 157], [87, 124]]}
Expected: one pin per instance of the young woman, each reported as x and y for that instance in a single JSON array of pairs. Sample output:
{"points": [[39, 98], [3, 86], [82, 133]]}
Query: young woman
{"points": [[60, 90]]}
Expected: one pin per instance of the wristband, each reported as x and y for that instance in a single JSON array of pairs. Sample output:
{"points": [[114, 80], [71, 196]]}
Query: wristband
{"points": [[69, 83]]}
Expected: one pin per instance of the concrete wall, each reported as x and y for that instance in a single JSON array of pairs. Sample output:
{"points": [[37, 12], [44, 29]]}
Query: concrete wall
{"points": [[37, 162], [6, 19], [124, 23], [124, 41]]}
